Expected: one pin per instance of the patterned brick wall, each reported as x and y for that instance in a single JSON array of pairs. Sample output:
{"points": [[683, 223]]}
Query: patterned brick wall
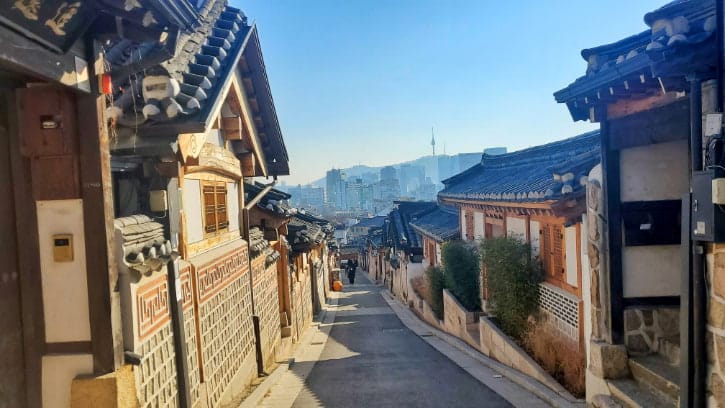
{"points": [[192, 356], [302, 303], [156, 374], [266, 304], [561, 308], [225, 324]]}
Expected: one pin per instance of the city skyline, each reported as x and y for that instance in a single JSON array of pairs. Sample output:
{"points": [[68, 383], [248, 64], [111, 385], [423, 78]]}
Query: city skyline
{"points": [[365, 81]]}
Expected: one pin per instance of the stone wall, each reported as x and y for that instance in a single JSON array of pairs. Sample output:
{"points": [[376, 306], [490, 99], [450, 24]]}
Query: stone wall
{"points": [[646, 328], [301, 303], [423, 310], [495, 344], [456, 319], [716, 325], [266, 306], [598, 271]]}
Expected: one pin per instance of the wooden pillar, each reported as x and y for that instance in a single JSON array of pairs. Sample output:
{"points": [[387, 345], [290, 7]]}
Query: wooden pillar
{"points": [[611, 190], [28, 256], [97, 194]]}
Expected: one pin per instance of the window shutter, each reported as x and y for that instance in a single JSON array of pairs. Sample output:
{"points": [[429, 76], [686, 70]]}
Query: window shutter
{"points": [[558, 250]]}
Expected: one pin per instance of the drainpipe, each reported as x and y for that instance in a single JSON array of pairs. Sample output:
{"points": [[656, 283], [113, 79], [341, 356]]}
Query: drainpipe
{"points": [[245, 231], [698, 302]]}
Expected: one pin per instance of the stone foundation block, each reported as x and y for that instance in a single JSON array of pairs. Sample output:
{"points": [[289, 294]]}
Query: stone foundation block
{"points": [[114, 390], [608, 361]]}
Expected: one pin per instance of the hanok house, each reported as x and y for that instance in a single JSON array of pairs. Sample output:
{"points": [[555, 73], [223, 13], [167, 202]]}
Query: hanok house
{"points": [[652, 242], [374, 253], [358, 232], [185, 133], [270, 214], [536, 195], [403, 248], [435, 228], [61, 311], [310, 267]]}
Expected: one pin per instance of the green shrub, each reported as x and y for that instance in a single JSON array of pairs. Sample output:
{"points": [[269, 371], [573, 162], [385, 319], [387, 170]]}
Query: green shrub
{"points": [[436, 284], [462, 269], [513, 283]]}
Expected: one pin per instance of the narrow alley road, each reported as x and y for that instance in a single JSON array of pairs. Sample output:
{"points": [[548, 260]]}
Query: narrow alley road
{"points": [[370, 359]]}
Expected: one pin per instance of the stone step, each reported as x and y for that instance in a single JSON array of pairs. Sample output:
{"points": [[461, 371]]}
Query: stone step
{"points": [[655, 372], [632, 394], [669, 348]]}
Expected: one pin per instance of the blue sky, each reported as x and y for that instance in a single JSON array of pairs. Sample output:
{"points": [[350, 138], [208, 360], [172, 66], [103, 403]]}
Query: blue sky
{"points": [[363, 81]]}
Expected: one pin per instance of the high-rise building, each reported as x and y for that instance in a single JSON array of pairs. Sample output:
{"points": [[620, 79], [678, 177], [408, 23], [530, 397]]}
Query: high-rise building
{"points": [[388, 173], [335, 191]]}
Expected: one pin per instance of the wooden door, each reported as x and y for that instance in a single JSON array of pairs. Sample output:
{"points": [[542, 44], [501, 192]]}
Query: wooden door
{"points": [[12, 365]]}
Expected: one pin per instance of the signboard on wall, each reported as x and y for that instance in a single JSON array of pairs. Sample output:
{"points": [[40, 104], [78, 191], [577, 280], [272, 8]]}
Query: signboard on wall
{"points": [[56, 24]]}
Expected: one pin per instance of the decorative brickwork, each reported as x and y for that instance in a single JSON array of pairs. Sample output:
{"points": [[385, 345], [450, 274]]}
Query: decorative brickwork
{"points": [[266, 304], [152, 303], [192, 356], [225, 319], [561, 308], [156, 375], [215, 276]]}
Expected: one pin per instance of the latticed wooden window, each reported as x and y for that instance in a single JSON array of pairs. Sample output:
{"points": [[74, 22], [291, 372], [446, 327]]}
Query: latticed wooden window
{"points": [[552, 251], [469, 226], [216, 218]]}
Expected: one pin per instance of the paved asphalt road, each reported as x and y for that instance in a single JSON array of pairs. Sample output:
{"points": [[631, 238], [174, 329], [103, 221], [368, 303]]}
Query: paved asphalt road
{"points": [[372, 360]]}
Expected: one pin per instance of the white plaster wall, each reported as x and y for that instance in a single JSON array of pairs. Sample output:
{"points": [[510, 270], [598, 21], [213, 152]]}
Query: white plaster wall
{"points": [[65, 288], [462, 218], [174, 211], [516, 227], [233, 206], [654, 172], [58, 374], [478, 225], [192, 210], [214, 137], [651, 270], [439, 260], [534, 235], [570, 242]]}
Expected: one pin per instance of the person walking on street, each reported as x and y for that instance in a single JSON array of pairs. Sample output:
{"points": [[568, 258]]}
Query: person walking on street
{"points": [[351, 269]]}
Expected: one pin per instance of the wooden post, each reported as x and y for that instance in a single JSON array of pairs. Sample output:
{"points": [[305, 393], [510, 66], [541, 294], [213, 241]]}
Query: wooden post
{"points": [[97, 194], [611, 190], [28, 255]]}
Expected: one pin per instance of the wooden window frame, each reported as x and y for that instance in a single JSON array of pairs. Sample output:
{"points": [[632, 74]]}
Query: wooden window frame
{"points": [[553, 259], [218, 206]]}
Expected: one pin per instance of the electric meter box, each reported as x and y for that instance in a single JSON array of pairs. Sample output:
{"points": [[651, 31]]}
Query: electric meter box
{"points": [[708, 215]]}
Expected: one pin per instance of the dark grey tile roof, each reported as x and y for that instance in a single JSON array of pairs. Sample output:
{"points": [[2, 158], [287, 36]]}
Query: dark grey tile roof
{"points": [[545, 172], [677, 33], [188, 84], [441, 224], [399, 231], [306, 230], [373, 222], [275, 200]]}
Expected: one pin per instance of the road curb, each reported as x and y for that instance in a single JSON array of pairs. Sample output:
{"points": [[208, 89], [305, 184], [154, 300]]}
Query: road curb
{"points": [[541, 391]]}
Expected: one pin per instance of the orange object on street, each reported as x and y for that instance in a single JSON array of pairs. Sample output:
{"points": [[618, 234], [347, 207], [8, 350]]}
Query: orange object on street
{"points": [[337, 286]]}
